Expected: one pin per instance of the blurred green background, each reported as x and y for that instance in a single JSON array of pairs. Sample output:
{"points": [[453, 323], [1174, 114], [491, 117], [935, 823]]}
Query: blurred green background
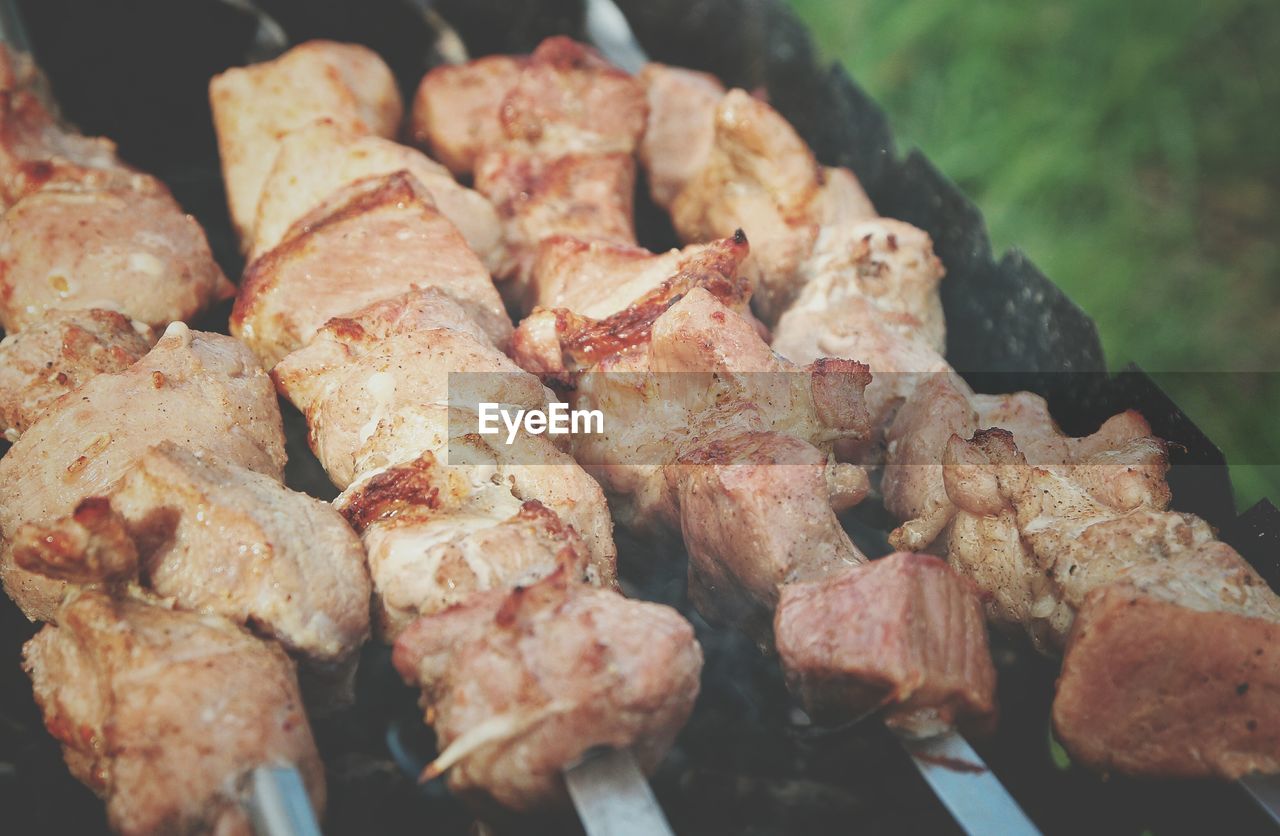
{"points": [[1133, 150]]}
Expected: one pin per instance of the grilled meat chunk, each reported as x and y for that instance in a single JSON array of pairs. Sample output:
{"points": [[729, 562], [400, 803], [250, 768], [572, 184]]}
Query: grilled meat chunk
{"points": [[903, 633], [63, 350], [456, 109], [255, 107], [130, 249], [383, 415], [565, 163], [316, 160], [756, 512], [202, 391], [520, 684], [437, 535], [164, 713], [731, 434], [597, 279], [681, 127], [538, 196], [568, 100], [1152, 687], [36, 149], [759, 177], [373, 239], [375, 389], [221, 538], [869, 292]]}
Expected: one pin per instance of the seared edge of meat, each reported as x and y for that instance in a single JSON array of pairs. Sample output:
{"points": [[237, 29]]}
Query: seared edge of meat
{"points": [[1153, 688], [62, 351], [162, 713], [520, 684], [903, 634]]}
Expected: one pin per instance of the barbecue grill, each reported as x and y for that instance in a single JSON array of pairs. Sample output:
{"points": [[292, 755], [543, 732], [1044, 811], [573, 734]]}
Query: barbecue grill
{"points": [[747, 762]]}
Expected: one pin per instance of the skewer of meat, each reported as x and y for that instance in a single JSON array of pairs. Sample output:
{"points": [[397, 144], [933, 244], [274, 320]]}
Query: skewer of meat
{"points": [[1069, 538], [83, 230], [736, 470], [144, 518], [495, 572]]}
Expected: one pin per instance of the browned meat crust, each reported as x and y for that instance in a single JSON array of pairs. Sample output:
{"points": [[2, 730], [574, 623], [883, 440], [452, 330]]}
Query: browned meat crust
{"points": [[59, 353], [162, 713], [519, 684], [1154, 688], [902, 632]]}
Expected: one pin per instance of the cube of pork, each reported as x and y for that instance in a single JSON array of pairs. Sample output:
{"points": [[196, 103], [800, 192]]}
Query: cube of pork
{"points": [[1154, 688], [455, 111], [254, 107], [63, 350], [202, 391], [519, 685], [904, 634], [131, 249], [375, 239], [216, 537], [163, 713], [317, 160]]}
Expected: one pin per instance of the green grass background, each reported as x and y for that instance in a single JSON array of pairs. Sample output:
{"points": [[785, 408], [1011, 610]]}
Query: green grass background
{"points": [[1133, 150]]}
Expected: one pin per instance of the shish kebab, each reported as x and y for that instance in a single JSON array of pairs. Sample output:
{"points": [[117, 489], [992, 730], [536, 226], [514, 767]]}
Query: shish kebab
{"points": [[551, 139], [493, 573], [1170, 664], [146, 544]]}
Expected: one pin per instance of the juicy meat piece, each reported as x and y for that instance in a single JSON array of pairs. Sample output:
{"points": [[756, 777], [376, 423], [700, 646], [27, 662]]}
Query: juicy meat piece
{"points": [[560, 341], [518, 685], [201, 391], [316, 160], [1079, 525], [568, 100], [36, 149], [870, 293], [756, 514], [93, 545], [164, 713], [60, 352], [597, 279], [1154, 688], [455, 111], [374, 239], [709, 430], [760, 177], [565, 164], [437, 535], [222, 539], [681, 127], [584, 196], [375, 389], [903, 633], [129, 249], [254, 107], [967, 494]]}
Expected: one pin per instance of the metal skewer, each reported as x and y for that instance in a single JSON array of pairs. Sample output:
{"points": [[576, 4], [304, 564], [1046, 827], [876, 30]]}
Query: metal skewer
{"points": [[612, 796], [1265, 790], [278, 803], [974, 796], [966, 787]]}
